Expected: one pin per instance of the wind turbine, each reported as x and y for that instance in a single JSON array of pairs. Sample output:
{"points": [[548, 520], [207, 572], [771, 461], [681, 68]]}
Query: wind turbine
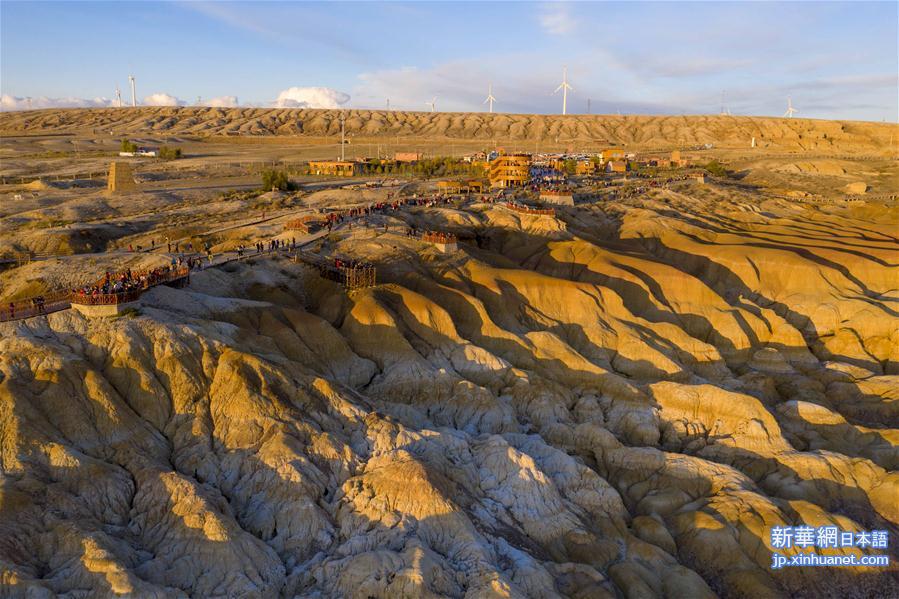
{"points": [[433, 104], [133, 93], [790, 110], [564, 87], [724, 110], [490, 99]]}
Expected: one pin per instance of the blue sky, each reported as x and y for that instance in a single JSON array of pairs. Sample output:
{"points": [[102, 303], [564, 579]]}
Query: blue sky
{"points": [[835, 59]]}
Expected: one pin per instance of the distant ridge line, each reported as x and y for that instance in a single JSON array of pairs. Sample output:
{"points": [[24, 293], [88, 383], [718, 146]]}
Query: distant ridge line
{"points": [[844, 137]]}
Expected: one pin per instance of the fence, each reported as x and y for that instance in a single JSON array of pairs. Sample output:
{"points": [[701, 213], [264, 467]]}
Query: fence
{"points": [[35, 306], [529, 210], [106, 299], [24, 180], [149, 277], [438, 237]]}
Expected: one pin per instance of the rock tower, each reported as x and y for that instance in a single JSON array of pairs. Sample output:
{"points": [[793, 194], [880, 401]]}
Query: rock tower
{"points": [[120, 178]]}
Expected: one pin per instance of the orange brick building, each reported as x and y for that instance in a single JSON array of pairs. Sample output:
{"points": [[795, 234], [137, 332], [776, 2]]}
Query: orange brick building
{"points": [[509, 170]]}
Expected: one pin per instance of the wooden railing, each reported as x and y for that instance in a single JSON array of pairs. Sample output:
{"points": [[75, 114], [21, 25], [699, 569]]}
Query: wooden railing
{"points": [[528, 210], [438, 237], [63, 299], [35, 306], [106, 299], [149, 277]]}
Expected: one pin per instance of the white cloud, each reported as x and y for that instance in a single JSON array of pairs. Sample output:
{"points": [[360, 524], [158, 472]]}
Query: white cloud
{"points": [[160, 99], [311, 97], [556, 19], [222, 102], [9, 102]]}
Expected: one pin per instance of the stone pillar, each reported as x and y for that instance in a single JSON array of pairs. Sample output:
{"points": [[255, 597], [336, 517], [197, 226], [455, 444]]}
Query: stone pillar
{"points": [[120, 178]]}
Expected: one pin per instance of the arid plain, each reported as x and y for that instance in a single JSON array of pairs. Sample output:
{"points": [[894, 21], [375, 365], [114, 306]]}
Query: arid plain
{"points": [[617, 400]]}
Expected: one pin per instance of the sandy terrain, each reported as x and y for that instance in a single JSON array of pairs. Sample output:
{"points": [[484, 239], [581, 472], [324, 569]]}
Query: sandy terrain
{"points": [[616, 401], [848, 137]]}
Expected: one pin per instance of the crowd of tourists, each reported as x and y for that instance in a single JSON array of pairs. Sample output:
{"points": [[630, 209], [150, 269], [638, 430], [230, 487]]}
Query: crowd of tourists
{"points": [[129, 281], [349, 263]]}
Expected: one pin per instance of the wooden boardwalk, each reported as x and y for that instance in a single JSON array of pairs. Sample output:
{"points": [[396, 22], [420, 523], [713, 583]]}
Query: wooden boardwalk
{"points": [[351, 274], [63, 299]]}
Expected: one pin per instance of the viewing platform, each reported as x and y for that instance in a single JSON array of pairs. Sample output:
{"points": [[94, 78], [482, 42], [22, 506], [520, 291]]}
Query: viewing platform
{"points": [[351, 274], [444, 242], [116, 293], [106, 304]]}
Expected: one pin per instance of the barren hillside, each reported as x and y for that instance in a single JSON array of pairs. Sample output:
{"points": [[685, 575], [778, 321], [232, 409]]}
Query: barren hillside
{"points": [[844, 137], [617, 401]]}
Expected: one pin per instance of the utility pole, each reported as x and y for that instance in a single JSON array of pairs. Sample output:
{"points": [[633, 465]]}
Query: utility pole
{"points": [[342, 134]]}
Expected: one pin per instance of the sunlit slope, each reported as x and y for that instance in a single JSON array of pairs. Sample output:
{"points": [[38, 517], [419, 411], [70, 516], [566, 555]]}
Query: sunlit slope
{"points": [[841, 137], [620, 400]]}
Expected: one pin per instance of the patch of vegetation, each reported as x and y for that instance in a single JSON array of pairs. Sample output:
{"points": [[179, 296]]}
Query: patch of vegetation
{"points": [[238, 194], [128, 313], [167, 153], [46, 223], [717, 169], [649, 171], [128, 146], [428, 167], [276, 179]]}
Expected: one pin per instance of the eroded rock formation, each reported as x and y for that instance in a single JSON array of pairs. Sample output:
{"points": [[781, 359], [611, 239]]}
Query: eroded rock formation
{"points": [[618, 402]]}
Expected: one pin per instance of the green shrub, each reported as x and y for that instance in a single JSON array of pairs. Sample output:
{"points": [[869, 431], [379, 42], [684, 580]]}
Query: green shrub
{"points": [[128, 146], [167, 153], [275, 179], [716, 168]]}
